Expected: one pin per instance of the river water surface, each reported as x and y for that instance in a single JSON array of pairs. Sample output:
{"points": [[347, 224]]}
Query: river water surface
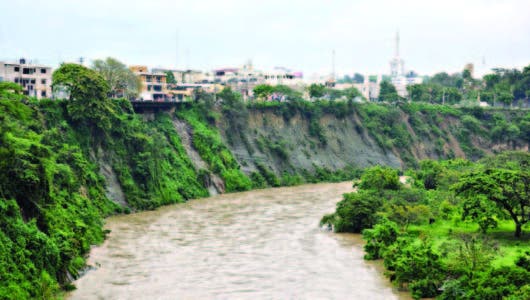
{"points": [[263, 244]]}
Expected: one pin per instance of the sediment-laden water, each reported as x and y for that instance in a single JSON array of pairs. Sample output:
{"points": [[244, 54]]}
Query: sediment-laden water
{"points": [[263, 244]]}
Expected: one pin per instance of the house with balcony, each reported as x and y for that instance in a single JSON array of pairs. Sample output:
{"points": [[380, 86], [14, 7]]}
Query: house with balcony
{"points": [[154, 84]]}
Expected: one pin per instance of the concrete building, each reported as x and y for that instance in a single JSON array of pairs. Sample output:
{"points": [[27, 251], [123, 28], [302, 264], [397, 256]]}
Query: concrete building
{"points": [[282, 76], [36, 80], [154, 85], [185, 76]]}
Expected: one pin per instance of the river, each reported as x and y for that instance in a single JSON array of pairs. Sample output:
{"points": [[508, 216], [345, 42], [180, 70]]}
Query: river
{"points": [[263, 244]]}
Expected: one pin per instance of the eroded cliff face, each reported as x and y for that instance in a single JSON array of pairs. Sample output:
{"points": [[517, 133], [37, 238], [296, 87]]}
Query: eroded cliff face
{"points": [[288, 145]]}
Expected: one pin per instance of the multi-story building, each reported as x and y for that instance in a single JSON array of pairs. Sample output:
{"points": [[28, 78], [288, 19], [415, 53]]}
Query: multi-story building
{"points": [[282, 76], [184, 76], [154, 85], [36, 80]]}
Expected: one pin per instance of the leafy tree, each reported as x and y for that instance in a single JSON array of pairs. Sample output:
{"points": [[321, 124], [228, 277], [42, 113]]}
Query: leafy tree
{"points": [[88, 95], [351, 93], [380, 178], [80, 82], [121, 80], [345, 79], [418, 93], [10, 87], [446, 80], [382, 235], [469, 254], [288, 92], [508, 189], [388, 92], [491, 80], [316, 90], [479, 209], [10, 90], [505, 97], [358, 78], [170, 77], [357, 211], [262, 91], [409, 214], [415, 264], [466, 74]]}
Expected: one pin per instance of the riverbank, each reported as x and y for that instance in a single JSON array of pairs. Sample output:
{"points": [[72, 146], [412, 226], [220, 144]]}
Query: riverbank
{"points": [[452, 233]]}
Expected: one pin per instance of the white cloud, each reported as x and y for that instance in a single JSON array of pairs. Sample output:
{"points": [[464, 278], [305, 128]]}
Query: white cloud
{"points": [[435, 35]]}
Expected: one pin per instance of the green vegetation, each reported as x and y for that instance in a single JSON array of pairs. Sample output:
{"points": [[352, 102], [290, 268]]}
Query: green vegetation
{"points": [[170, 78], [59, 159], [388, 92], [320, 91], [122, 81], [52, 196], [52, 202], [448, 233], [504, 87], [207, 141]]}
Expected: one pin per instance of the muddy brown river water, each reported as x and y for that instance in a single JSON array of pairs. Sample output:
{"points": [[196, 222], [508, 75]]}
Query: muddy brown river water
{"points": [[263, 244]]}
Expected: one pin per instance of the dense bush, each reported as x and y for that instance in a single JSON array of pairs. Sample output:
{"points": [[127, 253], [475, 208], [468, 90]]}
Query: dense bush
{"points": [[420, 234], [378, 238], [380, 178], [357, 211]]}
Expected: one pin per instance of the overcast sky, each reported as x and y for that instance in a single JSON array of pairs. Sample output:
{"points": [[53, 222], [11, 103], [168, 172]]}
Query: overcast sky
{"points": [[298, 34]]}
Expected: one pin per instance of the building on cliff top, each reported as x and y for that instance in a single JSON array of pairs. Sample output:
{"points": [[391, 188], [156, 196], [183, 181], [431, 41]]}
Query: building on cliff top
{"points": [[154, 85], [36, 80]]}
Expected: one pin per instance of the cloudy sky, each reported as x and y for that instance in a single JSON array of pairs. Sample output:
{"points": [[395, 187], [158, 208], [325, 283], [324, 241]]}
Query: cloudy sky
{"points": [[299, 34]]}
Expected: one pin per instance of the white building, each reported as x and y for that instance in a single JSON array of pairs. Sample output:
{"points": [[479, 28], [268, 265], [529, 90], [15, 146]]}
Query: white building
{"points": [[36, 80], [397, 73], [282, 76]]}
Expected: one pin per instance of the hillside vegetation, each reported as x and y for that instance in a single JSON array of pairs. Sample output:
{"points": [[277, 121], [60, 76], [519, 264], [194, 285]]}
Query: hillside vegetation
{"points": [[65, 165]]}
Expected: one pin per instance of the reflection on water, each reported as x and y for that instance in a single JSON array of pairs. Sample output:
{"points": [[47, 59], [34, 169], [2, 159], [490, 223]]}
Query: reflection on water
{"points": [[255, 245]]}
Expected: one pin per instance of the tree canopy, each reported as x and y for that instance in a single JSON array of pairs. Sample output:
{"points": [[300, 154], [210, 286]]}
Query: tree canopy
{"points": [[380, 178], [508, 189], [388, 92], [122, 82], [88, 102], [170, 77], [263, 91], [316, 90], [80, 82]]}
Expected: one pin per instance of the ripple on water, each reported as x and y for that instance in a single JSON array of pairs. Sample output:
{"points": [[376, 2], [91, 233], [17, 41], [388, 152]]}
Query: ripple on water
{"points": [[254, 245]]}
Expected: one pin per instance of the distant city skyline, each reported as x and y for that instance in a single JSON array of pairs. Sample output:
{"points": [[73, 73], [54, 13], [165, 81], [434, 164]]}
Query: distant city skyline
{"points": [[300, 35]]}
